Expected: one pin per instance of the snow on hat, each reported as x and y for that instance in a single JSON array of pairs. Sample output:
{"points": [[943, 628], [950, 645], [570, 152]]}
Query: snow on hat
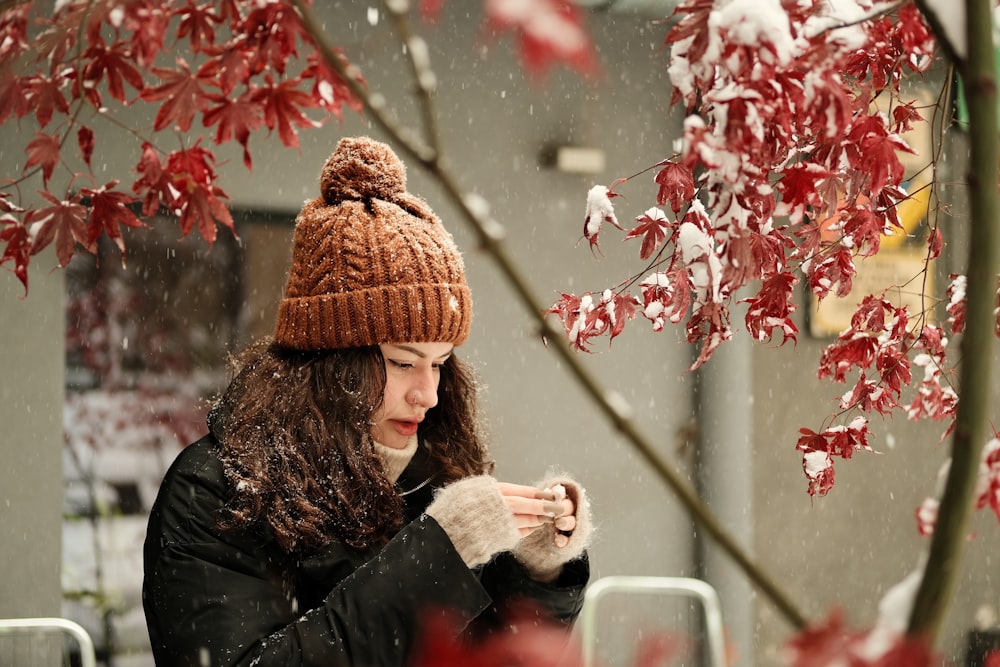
{"points": [[371, 263]]}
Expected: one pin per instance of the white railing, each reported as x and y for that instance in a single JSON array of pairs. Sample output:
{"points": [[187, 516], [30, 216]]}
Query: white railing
{"points": [[57, 626], [685, 586]]}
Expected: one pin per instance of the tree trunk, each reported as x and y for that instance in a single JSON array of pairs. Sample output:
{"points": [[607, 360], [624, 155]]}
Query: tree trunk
{"points": [[979, 75]]}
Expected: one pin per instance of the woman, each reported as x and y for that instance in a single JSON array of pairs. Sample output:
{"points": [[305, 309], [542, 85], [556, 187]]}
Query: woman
{"points": [[342, 497]]}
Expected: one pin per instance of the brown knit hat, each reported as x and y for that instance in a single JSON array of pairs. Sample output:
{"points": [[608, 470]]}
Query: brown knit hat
{"points": [[371, 263]]}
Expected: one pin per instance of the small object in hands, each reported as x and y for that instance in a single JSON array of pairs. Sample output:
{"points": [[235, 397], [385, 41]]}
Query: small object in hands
{"points": [[558, 494], [555, 496]]}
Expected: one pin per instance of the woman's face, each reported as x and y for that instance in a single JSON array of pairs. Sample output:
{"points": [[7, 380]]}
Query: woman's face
{"points": [[412, 373]]}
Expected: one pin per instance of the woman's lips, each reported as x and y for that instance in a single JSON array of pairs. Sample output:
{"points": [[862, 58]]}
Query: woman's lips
{"points": [[406, 428]]}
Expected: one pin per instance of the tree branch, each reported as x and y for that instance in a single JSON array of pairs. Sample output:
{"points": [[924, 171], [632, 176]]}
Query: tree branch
{"points": [[971, 430], [490, 234]]}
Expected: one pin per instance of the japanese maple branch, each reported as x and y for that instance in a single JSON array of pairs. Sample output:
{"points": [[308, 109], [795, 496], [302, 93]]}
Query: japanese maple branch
{"points": [[971, 430], [490, 235], [420, 66]]}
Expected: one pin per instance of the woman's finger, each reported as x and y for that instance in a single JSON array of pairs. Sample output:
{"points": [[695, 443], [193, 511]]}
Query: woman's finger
{"points": [[567, 523], [521, 505], [531, 521], [508, 489]]}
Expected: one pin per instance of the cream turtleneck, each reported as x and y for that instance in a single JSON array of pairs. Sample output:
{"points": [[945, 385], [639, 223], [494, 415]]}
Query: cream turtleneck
{"points": [[396, 460]]}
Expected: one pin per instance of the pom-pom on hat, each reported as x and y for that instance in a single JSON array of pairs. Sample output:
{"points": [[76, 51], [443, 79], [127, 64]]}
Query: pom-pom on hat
{"points": [[371, 263]]}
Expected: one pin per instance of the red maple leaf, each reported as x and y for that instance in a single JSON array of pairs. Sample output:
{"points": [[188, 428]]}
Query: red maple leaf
{"points": [[64, 222], [819, 448], [821, 644], [864, 228], [868, 396], [914, 34], [904, 115], [149, 23], [272, 31], [228, 65], [956, 303], [798, 185], [894, 368], [619, 308], [935, 243], [43, 151], [109, 208], [202, 208], [582, 318], [830, 642], [772, 309], [199, 200], [13, 96], [882, 153], [694, 25], [237, 118], [154, 183], [530, 637], [85, 140], [18, 249], [709, 323], [58, 36], [45, 96], [329, 90], [547, 31], [197, 22], [281, 103], [835, 270], [13, 32], [7, 206], [182, 94], [598, 211], [666, 295], [653, 227], [848, 351], [111, 63], [870, 316], [676, 185]]}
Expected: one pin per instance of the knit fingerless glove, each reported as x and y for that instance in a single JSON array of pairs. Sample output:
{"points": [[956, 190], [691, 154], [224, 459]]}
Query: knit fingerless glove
{"points": [[476, 518], [538, 552]]}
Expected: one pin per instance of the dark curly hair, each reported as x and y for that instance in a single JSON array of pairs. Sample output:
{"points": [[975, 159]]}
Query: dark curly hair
{"points": [[296, 445]]}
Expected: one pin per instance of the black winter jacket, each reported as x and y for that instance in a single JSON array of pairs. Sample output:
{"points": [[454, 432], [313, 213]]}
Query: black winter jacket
{"points": [[215, 597]]}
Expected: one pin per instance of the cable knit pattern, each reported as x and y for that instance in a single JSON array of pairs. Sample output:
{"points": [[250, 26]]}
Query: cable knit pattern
{"points": [[371, 263], [538, 552], [476, 518]]}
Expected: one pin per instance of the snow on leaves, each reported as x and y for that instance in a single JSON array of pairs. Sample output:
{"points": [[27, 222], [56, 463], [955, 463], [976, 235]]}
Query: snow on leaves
{"points": [[789, 171], [654, 227], [599, 210], [986, 493]]}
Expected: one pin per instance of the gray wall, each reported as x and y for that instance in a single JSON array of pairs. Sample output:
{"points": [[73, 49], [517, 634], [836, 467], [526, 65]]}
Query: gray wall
{"points": [[845, 549], [31, 397]]}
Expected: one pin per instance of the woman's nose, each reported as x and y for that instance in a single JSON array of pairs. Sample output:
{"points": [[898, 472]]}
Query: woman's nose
{"points": [[424, 392]]}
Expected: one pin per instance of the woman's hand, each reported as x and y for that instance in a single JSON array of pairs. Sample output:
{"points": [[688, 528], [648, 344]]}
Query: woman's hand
{"points": [[534, 508], [554, 522]]}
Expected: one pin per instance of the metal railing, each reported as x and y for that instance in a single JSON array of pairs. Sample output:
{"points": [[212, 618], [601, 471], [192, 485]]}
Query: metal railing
{"points": [[52, 626], [685, 586]]}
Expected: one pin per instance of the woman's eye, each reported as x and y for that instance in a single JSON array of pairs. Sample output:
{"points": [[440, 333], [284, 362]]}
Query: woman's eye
{"points": [[401, 364]]}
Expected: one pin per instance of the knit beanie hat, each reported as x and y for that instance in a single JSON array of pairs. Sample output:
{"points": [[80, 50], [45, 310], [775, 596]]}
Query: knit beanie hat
{"points": [[371, 263]]}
